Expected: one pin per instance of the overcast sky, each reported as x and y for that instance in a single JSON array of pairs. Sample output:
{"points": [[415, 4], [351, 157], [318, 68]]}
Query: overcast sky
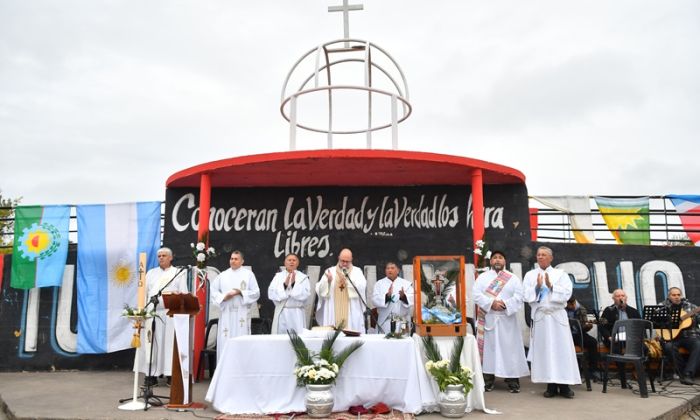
{"points": [[101, 101]]}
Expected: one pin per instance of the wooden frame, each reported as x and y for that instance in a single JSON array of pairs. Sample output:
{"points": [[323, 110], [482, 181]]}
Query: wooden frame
{"points": [[456, 265]]}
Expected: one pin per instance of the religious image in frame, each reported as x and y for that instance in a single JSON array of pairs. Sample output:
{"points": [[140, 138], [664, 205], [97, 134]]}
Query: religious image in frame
{"points": [[440, 304]]}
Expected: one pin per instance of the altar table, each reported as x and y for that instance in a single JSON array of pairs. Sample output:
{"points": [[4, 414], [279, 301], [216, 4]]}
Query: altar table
{"points": [[255, 375]]}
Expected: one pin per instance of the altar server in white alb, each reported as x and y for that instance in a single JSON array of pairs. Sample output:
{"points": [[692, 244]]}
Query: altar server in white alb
{"points": [[393, 297], [498, 295], [234, 291], [156, 279], [289, 290], [552, 354], [338, 300]]}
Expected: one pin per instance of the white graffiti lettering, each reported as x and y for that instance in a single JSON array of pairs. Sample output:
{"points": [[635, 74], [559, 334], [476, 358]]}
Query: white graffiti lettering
{"points": [[189, 198], [304, 246], [493, 216]]}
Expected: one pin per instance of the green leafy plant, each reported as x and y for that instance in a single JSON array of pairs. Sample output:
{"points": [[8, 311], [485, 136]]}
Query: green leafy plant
{"points": [[135, 312], [447, 372], [322, 367]]}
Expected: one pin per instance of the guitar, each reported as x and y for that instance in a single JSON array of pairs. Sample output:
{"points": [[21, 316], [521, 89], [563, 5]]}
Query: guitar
{"points": [[685, 322]]}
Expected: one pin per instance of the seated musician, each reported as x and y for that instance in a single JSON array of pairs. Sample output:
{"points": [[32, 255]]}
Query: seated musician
{"points": [[619, 310], [686, 336], [575, 310]]}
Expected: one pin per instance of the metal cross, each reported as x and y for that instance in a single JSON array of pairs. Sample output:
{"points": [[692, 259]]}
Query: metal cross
{"points": [[346, 8]]}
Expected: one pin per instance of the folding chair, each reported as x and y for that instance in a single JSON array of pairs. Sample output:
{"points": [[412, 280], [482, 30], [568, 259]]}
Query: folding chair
{"points": [[627, 346], [208, 354]]}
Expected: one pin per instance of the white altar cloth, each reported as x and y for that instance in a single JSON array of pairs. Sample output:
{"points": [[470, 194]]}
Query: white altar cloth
{"points": [[256, 375]]}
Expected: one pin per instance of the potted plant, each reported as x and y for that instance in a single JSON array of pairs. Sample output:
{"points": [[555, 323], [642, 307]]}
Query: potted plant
{"points": [[318, 371], [453, 379]]}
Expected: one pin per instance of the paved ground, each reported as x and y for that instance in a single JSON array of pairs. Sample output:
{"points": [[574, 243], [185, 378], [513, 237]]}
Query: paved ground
{"points": [[95, 395]]}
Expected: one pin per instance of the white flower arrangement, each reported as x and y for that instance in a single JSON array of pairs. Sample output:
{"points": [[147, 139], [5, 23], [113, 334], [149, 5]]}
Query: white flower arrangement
{"points": [[481, 249], [321, 372], [202, 254]]}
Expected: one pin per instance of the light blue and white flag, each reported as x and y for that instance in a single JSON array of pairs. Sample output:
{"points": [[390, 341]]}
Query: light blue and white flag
{"points": [[110, 238]]}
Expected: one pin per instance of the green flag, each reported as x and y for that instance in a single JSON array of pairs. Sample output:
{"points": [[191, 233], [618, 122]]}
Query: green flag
{"points": [[41, 246], [627, 218]]}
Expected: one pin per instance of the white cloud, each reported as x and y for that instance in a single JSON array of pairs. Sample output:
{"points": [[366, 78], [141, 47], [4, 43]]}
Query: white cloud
{"points": [[102, 101]]}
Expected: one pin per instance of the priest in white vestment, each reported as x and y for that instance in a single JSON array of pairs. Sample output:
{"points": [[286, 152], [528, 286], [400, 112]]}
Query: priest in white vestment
{"points": [[498, 295], [552, 354], [341, 292], [156, 279], [393, 298], [289, 290], [234, 291]]}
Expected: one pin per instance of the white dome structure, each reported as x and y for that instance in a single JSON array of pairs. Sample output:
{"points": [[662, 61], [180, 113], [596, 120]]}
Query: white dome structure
{"points": [[346, 86]]}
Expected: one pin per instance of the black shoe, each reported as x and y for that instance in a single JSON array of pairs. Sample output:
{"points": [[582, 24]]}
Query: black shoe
{"points": [[687, 380], [567, 394], [565, 391], [549, 394], [513, 385], [489, 380], [551, 391]]}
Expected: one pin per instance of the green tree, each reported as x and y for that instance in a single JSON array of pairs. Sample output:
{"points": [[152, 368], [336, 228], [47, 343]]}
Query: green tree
{"points": [[7, 222]]}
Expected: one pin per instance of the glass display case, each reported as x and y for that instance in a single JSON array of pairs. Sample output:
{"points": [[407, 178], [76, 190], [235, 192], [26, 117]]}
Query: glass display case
{"points": [[440, 295]]}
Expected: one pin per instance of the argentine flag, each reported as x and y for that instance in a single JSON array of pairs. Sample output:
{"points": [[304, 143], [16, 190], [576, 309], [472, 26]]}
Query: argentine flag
{"points": [[110, 238]]}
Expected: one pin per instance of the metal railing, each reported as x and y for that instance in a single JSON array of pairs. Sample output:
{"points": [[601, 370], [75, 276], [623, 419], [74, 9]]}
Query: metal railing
{"points": [[665, 227]]}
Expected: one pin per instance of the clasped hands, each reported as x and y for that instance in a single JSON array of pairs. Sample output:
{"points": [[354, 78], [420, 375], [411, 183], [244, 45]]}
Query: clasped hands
{"points": [[231, 294], [498, 305], [544, 279]]}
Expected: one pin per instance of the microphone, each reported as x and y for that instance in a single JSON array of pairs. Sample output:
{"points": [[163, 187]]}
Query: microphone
{"points": [[620, 303], [345, 272]]}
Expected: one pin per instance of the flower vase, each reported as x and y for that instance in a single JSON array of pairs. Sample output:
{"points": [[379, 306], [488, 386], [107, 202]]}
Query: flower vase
{"points": [[319, 400], [453, 401]]}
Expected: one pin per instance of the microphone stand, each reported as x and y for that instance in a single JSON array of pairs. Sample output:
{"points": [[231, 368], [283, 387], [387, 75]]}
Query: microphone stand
{"points": [[368, 311], [148, 393]]}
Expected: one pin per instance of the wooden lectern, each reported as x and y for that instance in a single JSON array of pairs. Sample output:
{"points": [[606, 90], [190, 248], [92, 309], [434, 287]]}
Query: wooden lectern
{"points": [[181, 304]]}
